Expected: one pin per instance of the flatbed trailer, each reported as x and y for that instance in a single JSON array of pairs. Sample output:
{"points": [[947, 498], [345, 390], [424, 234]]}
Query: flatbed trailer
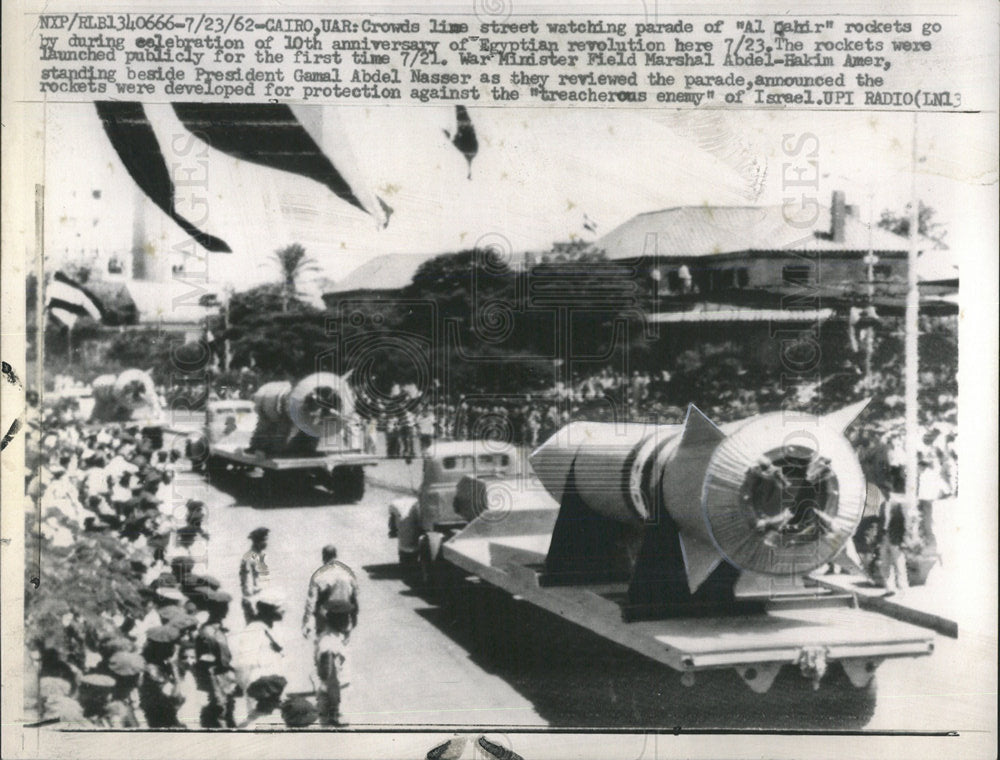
{"points": [[806, 632], [328, 461], [226, 445], [341, 472]]}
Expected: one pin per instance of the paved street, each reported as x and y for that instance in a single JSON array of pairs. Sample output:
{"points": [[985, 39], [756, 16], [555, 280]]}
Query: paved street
{"points": [[492, 661]]}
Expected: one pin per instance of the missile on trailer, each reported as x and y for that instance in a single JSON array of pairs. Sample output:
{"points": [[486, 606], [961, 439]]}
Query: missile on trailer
{"points": [[699, 514], [127, 397], [317, 412]]}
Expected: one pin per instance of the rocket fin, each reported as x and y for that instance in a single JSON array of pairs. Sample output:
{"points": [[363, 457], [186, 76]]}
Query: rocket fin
{"points": [[849, 560], [699, 429], [844, 418], [700, 559]]}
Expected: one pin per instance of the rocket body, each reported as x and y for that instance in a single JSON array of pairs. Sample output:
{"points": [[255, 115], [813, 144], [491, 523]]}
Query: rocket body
{"points": [[779, 494]]}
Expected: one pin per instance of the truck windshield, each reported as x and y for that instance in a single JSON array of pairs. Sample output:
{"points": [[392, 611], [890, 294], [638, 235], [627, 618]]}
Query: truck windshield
{"points": [[470, 463]]}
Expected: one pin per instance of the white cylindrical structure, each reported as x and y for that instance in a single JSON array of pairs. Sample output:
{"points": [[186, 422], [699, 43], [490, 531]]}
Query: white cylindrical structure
{"points": [[777, 494]]}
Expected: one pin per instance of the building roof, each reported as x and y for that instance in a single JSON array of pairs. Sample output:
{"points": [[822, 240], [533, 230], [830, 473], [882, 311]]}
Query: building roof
{"points": [[741, 314], [390, 271], [692, 231]]}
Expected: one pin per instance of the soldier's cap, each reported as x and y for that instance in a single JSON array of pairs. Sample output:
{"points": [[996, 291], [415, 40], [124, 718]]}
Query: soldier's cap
{"points": [[184, 622], [165, 578], [126, 664], [298, 712], [97, 681], [211, 581], [163, 634], [267, 688], [172, 593], [258, 533], [197, 595], [182, 560], [218, 597], [114, 641], [169, 614]]}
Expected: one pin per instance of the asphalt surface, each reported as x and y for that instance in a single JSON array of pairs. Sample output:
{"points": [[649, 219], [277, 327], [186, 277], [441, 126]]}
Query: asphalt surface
{"points": [[483, 659]]}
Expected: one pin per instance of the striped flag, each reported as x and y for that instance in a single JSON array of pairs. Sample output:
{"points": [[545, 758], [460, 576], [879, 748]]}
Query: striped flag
{"points": [[268, 134], [67, 300], [273, 135], [135, 142]]}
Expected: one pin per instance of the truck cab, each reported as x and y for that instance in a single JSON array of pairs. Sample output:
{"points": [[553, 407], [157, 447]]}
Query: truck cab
{"points": [[229, 424], [421, 523]]}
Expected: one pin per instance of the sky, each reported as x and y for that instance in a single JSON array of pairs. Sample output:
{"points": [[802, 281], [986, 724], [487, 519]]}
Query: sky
{"points": [[538, 172]]}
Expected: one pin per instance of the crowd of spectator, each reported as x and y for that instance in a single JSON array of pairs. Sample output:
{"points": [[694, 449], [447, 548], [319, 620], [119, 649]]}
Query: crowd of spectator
{"points": [[124, 627]]}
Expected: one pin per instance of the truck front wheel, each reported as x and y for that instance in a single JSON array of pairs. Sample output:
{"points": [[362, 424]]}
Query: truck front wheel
{"points": [[432, 570], [347, 483]]}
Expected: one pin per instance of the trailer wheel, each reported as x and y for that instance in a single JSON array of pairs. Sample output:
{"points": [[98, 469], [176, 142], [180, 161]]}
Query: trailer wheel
{"points": [[347, 483], [432, 571], [214, 466], [355, 479], [426, 572]]}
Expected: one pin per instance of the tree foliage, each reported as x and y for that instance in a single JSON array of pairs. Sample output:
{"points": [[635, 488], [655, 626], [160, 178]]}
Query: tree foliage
{"points": [[293, 263], [899, 223]]}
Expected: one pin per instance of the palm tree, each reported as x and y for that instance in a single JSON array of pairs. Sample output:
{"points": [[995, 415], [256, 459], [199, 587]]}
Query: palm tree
{"points": [[293, 262]]}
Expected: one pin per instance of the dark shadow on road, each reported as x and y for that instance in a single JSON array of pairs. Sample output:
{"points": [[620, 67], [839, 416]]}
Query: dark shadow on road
{"points": [[575, 678], [265, 493], [389, 571]]}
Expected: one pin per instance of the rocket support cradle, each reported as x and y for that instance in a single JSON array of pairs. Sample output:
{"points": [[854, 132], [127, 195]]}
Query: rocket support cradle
{"points": [[699, 518]]}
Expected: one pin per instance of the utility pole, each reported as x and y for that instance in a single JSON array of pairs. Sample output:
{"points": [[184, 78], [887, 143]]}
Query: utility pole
{"points": [[870, 260], [225, 328], [913, 438]]}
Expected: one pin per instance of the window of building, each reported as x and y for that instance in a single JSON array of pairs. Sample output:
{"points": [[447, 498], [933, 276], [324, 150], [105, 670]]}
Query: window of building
{"points": [[882, 271], [115, 266], [742, 277], [796, 274]]}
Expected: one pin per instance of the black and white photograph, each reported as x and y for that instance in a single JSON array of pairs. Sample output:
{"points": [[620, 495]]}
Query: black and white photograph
{"points": [[482, 421]]}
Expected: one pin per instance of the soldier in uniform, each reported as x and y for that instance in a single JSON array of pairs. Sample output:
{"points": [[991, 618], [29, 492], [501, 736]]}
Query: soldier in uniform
{"points": [[123, 709], [266, 693], [258, 650], [94, 697], [158, 694], [216, 661], [331, 614], [253, 571], [298, 712]]}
